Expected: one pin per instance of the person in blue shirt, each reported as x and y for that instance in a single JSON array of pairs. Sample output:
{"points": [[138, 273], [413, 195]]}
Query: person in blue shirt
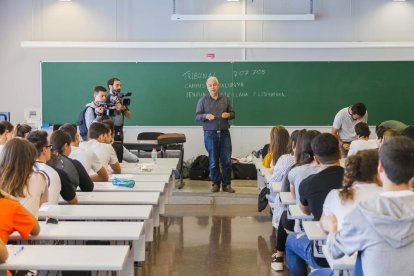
{"points": [[214, 112]]}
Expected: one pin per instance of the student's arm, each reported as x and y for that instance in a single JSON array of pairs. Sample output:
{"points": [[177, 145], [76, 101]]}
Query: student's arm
{"points": [[68, 190], [3, 252], [303, 203], [128, 156], [292, 191], [116, 168], [100, 176], [85, 182]]}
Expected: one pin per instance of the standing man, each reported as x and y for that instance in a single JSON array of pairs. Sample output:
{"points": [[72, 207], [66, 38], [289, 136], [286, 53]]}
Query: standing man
{"points": [[94, 112], [214, 111], [344, 124], [114, 85]]}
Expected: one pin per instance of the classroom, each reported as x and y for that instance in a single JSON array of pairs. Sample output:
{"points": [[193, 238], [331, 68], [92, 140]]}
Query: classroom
{"points": [[292, 63]]}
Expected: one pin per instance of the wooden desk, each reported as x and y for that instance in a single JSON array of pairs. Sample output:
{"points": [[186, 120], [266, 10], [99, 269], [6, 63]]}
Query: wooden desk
{"points": [[341, 264], [160, 187], [122, 198], [286, 198], [314, 231], [132, 231], [69, 257], [102, 212], [276, 186], [297, 213]]}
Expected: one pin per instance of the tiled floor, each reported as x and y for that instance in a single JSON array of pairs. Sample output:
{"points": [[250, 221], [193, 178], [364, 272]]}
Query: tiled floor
{"points": [[211, 240]]}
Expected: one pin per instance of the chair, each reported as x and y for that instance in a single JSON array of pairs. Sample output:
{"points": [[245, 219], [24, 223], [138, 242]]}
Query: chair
{"points": [[148, 136]]}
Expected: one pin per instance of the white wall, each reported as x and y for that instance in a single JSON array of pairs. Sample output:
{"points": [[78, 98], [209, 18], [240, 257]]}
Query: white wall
{"points": [[143, 20]]}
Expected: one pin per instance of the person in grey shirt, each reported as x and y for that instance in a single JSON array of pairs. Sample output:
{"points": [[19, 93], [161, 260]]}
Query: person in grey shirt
{"points": [[214, 111], [344, 124]]}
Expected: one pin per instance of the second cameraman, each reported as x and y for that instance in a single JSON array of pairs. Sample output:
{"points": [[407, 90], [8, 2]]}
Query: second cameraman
{"points": [[121, 107], [96, 111]]}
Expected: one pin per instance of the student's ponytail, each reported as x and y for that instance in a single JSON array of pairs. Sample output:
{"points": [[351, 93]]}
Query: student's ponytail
{"points": [[350, 175]]}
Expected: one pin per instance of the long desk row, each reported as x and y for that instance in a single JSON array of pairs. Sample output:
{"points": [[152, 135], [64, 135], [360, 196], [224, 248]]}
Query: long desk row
{"points": [[116, 214]]}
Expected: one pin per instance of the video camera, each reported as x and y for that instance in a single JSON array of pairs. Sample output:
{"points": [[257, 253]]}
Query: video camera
{"points": [[109, 109], [123, 100]]}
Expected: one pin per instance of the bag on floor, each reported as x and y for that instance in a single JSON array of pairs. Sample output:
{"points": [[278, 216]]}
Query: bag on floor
{"points": [[199, 169], [262, 200], [244, 171]]}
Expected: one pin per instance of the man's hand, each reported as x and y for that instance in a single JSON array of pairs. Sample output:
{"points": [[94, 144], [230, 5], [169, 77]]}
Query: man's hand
{"points": [[329, 223], [210, 117], [118, 106], [346, 146], [100, 110], [225, 115]]}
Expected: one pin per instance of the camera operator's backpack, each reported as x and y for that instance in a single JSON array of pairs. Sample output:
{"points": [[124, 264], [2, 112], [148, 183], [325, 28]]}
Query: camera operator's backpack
{"points": [[83, 129]]}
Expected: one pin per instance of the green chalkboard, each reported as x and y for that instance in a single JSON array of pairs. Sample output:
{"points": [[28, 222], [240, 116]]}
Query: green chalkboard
{"points": [[263, 93]]}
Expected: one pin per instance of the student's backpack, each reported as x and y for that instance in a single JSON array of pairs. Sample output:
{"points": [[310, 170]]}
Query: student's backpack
{"points": [[199, 169], [83, 129]]}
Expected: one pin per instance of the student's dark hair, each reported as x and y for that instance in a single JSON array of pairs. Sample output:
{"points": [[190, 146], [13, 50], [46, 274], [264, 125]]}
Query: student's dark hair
{"points": [[109, 124], [304, 151], [22, 130], [359, 167], [358, 109], [111, 81], [16, 165], [326, 147], [58, 140], [7, 125], [293, 140], [70, 130], [2, 128], [379, 130], [408, 132], [397, 158], [98, 89], [362, 129], [97, 129], [39, 139]]}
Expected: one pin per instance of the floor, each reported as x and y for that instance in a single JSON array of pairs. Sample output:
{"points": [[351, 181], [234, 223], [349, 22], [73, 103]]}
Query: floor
{"points": [[211, 240]]}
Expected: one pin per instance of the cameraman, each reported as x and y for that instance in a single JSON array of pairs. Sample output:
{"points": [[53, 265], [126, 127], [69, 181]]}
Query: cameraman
{"points": [[95, 112], [114, 85]]}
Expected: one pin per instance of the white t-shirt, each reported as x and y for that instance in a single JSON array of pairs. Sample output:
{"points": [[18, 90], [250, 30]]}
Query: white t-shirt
{"points": [[55, 186], [360, 144], [36, 193], [105, 152], [334, 205], [346, 125], [87, 158]]}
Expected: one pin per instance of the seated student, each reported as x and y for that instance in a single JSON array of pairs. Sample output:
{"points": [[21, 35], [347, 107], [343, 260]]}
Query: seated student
{"points": [[279, 145], [98, 135], [379, 130], [381, 229], [6, 133], [388, 133], [313, 191], [21, 130], [14, 217], [121, 152], [56, 186], [304, 166], [88, 158], [60, 142], [363, 142], [18, 177]]}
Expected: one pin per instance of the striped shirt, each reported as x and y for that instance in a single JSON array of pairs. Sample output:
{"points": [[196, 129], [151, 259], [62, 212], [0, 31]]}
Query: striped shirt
{"points": [[346, 124], [282, 166]]}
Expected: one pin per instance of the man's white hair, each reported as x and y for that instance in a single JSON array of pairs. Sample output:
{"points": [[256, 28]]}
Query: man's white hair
{"points": [[212, 78]]}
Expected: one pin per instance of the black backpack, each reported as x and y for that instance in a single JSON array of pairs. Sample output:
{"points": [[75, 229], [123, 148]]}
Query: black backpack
{"points": [[199, 169], [83, 129]]}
